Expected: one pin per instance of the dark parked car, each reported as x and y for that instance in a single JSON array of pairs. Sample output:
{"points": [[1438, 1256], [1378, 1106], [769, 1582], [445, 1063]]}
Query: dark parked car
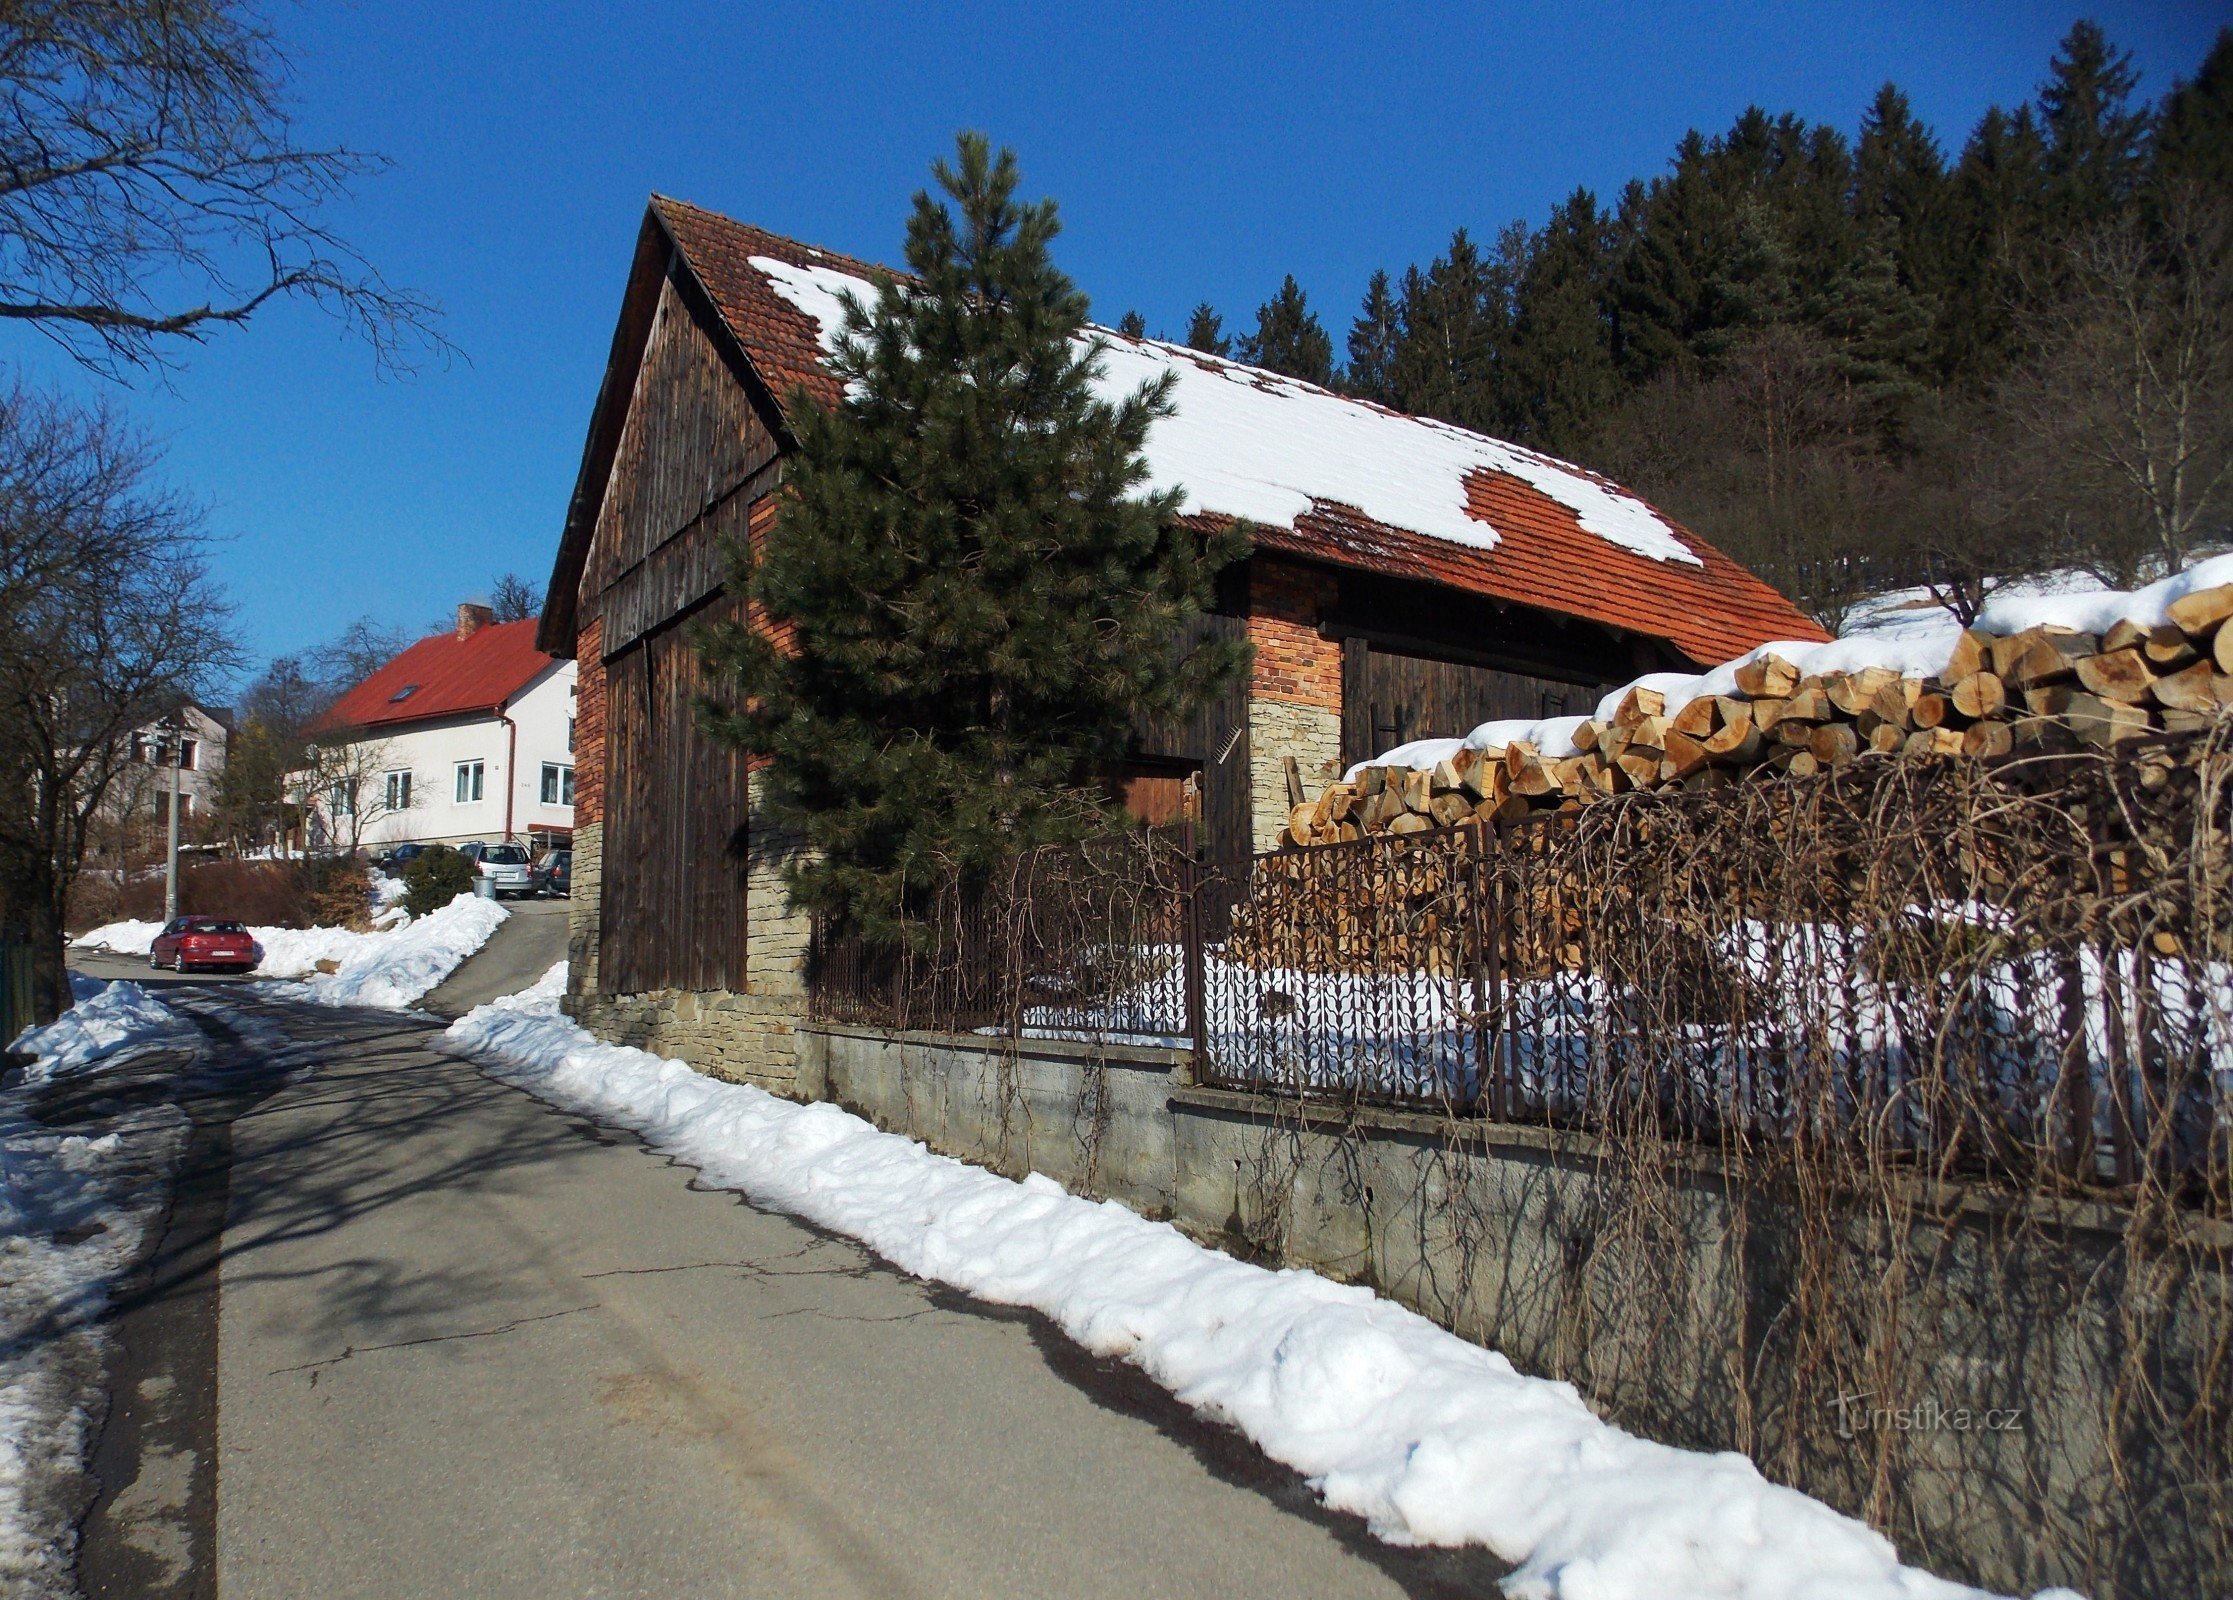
{"points": [[558, 873], [392, 862], [205, 942]]}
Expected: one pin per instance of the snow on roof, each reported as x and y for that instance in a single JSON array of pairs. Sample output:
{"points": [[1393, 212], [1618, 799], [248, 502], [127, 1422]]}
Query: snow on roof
{"points": [[1249, 443]]}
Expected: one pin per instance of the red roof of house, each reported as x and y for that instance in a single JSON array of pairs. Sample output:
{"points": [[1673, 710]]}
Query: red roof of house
{"points": [[1539, 554], [445, 676]]}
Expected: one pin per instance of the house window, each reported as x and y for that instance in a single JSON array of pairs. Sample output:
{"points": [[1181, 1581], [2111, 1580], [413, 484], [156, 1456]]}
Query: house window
{"points": [[341, 799], [558, 784], [469, 779], [140, 751], [569, 735], [399, 791], [189, 754]]}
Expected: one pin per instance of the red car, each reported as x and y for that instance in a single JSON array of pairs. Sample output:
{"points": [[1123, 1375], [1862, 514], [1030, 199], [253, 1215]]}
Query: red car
{"points": [[206, 942]]}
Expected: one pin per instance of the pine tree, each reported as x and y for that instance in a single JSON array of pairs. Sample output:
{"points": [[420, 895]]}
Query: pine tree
{"points": [[1373, 339], [980, 601], [1900, 184], [1132, 325], [1205, 331], [1879, 332], [1670, 230], [1289, 338], [1454, 318], [1561, 369], [2194, 131], [1998, 222], [2094, 135]]}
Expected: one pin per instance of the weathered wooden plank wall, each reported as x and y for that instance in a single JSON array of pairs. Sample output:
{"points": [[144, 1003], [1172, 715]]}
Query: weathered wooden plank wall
{"points": [[1216, 730], [693, 461], [1389, 698], [691, 438], [676, 821]]}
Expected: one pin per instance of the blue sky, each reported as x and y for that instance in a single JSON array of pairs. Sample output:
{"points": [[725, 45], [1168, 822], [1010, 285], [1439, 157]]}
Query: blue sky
{"points": [[1199, 152]]}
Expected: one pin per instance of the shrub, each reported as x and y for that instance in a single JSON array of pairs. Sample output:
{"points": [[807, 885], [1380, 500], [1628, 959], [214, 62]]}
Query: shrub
{"points": [[339, 893], [265, 894], [435, 878]]}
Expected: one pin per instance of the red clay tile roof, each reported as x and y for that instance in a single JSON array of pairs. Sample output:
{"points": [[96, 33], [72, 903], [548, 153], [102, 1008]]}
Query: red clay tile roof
{"points": [[1542, 556], [446, 676]]}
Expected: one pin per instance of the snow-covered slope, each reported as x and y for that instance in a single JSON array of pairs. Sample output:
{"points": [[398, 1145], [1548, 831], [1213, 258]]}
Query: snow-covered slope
{"points": [[105, 1019], [390, 971]]}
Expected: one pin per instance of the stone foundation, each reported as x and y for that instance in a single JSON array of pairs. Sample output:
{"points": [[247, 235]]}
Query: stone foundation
{"points": [[742, 1035], [1277, 729]]}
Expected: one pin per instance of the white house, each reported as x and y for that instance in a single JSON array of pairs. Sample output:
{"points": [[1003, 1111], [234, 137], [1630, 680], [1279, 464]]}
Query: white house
{"points": [[192, 743], [466, 735]]}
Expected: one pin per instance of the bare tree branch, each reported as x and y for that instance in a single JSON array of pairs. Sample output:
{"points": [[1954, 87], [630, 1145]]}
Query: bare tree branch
{"points": [[108, 619], [152, 192]]}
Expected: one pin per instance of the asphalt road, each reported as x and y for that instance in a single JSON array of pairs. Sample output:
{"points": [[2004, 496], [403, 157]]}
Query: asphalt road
{"points": [[470, 1346]]}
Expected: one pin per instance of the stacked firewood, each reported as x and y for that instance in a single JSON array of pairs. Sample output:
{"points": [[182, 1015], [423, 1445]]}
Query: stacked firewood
{"points": [[2042, 689]]}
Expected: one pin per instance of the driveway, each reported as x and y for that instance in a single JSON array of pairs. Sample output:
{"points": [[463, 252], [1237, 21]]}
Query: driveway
{"points": [[470, 1346]]}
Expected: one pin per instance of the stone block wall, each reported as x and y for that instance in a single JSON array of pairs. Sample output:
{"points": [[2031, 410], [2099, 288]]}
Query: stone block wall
{"points": [[744, 1035], [584, 923]]}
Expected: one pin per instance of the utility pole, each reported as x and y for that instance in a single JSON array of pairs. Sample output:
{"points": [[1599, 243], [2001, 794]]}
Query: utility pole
{"points": [[173, 754]]}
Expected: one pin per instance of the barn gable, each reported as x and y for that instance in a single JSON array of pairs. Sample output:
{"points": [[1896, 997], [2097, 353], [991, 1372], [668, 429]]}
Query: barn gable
{"points": [[681, 450]]}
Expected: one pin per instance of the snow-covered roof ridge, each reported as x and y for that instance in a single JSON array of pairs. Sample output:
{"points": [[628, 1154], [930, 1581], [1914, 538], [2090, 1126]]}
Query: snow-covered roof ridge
{"points": [[1250, 443]]}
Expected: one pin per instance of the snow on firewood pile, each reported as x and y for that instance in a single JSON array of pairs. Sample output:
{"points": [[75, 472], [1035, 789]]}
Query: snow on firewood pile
{"points": [[1245, 442], [2037, 672], [1430, 1438]]}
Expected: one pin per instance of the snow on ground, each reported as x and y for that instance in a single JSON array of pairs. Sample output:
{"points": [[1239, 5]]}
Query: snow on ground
{"points": [[1901, 631], [75, 1205], [104, 1018], [390, 971], [1430, 1438], [389, 968], [1257, 444], [124, 938]]}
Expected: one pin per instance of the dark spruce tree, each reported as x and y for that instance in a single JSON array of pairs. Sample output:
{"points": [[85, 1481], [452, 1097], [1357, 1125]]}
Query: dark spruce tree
{"points": [[1288, 338], [1205, 331], [979, 597], [1559, 366], [1132, 325], [1373, 340], [1454, 321], [2095, 136], [1900, 193], [1998, 234], [2194, 130]]}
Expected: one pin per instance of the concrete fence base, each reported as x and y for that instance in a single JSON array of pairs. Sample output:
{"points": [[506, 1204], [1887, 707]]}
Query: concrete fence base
{"points": [[1510, 1236]]}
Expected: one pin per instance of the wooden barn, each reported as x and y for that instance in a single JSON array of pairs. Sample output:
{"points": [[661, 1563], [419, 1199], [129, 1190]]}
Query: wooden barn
{"points": [[1409, 579]]}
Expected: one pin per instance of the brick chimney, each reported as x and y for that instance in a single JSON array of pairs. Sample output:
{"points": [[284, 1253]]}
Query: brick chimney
{"points": [[472, 618]]}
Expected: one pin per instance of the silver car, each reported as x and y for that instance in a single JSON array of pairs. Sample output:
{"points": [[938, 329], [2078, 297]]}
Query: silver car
{"points": [[507, 867]]}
